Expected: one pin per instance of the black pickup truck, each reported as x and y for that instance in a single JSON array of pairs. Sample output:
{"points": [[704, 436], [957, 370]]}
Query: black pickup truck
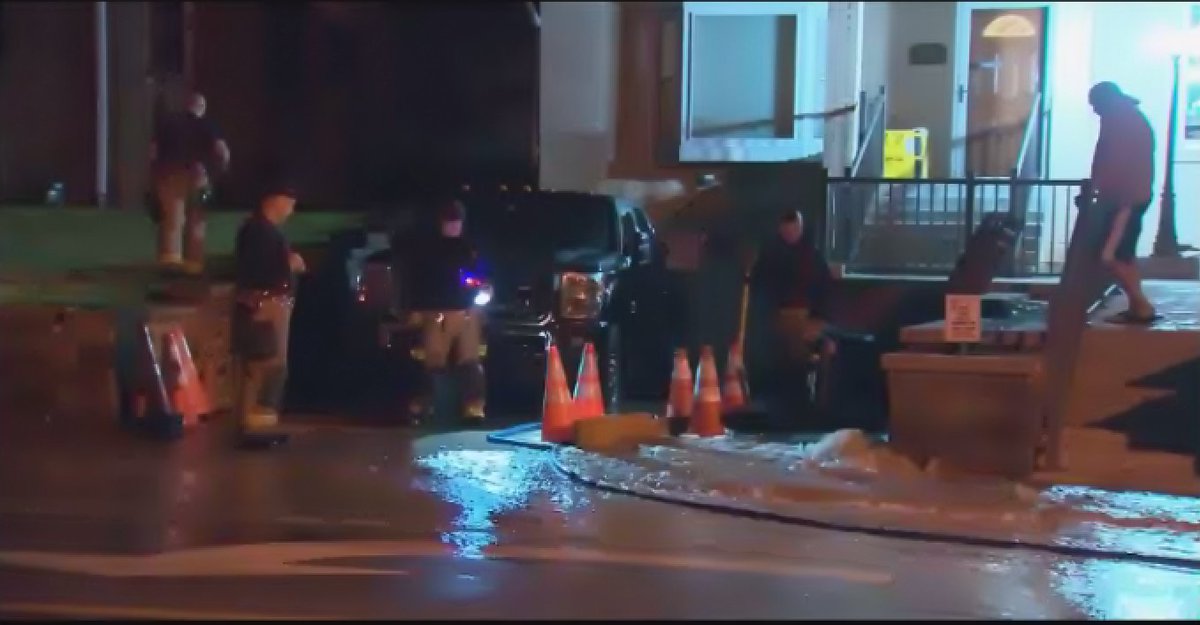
{"points": [[564, 268]]}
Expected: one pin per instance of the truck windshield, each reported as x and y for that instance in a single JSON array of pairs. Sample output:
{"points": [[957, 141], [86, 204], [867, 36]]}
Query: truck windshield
{"points": [[542, 225]]}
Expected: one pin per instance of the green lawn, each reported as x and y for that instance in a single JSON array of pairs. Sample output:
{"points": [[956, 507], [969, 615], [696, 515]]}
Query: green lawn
{"points": [[91, 257]]}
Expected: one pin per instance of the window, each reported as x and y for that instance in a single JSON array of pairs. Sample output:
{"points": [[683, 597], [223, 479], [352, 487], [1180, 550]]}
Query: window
{"points": [[1191, 82], [751, 71]]}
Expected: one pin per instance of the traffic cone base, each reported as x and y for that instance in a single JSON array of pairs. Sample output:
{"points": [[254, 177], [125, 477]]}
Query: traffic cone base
{"points": [[152, 411]]}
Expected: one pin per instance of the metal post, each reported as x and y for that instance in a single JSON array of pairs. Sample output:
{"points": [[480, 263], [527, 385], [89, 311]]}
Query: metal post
{"points": [[969, 209], [1166, 242], [101, 14]]}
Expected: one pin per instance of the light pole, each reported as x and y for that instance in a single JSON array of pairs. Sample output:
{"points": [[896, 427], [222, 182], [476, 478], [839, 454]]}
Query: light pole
{"points": [[1166, 242]]}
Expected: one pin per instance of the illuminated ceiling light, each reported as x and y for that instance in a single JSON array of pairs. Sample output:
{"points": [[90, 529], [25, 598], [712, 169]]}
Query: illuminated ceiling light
{"points": [[1009, 27]]}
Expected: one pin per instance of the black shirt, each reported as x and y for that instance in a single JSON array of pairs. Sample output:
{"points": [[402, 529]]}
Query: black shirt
{"points": [[794, 276], [435, 268], [184, 139], [262, 256]]}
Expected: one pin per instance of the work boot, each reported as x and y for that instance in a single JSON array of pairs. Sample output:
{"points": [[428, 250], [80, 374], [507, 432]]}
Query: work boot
{"points": [[260, 430], [418, 412], [170, 265], [193, 268], [473, 387], [474, 414]]}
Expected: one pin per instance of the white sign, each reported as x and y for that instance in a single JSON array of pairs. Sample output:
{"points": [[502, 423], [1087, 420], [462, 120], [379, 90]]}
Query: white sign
{"points": [[964, 319]]}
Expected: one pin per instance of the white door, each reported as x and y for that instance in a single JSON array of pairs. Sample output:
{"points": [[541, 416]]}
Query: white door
{"points": [[1000, 66]]}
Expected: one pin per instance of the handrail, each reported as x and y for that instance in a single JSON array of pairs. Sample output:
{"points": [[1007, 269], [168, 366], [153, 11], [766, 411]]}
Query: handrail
{"points": [[712, 132], [1028, 134], [875, 122]]}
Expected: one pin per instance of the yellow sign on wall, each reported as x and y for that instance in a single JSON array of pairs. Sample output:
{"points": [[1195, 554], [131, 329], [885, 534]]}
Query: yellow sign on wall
{"points": [[906, 153]]}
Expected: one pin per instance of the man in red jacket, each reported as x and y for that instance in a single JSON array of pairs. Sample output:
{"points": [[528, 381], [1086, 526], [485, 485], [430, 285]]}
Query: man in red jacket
{"points": [[1123, 180]]}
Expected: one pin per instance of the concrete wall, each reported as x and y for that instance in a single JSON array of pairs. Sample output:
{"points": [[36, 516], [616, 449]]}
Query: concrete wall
{"points": [[919, 96], [577, 96], [876, 46]]}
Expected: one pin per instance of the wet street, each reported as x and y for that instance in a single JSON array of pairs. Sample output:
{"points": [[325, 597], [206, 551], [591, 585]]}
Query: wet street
{"points": [[385, 523]]}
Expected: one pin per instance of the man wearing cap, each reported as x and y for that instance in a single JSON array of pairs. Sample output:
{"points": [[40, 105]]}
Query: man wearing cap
{"points": [[441, 270], [263, 300], [1123, 180], [184, 145], [795, 281]]}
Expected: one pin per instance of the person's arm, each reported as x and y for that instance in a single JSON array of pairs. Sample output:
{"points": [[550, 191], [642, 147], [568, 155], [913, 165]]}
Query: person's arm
{"points": [[1102, 159], [220, 148]]}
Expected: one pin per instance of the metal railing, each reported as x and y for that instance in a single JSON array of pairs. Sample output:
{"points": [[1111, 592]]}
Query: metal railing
{"points": [[922, 226]]}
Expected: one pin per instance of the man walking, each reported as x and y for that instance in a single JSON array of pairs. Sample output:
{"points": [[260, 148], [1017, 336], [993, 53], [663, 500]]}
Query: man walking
{"points": [[1123, 180], [184, 145]]}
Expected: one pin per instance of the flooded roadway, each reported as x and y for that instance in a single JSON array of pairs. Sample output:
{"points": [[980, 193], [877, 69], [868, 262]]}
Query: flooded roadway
{"points": [[384, 523]]}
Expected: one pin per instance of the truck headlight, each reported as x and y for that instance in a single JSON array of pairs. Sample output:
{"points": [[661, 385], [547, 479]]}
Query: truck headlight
{"points": [[581, 295]]}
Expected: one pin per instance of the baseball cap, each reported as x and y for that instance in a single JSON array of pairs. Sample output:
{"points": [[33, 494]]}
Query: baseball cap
{"points": [[279, 186], [452, 210], [1108, 91]]}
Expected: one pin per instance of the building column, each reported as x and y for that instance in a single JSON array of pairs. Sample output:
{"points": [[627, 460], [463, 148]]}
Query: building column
{"points": [[843, 82], [637, 89], [577, 93], [132, 101]]}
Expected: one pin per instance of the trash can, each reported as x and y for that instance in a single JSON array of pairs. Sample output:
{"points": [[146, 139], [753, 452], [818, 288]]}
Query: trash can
{"points": [[977, 413]]}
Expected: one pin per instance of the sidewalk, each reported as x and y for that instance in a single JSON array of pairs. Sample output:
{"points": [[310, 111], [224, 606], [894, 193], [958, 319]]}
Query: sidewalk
{"points": [[1102, 459]]}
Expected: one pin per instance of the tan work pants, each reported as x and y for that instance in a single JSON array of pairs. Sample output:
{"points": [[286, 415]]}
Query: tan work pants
{"points": [[259, 384], [181, 223], [452, 339]]}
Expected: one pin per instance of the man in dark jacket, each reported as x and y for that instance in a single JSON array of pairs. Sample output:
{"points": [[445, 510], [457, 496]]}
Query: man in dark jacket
{"points": [[795, 282], [263, 295], [184, 146], [444, 277], [1123, 179]]}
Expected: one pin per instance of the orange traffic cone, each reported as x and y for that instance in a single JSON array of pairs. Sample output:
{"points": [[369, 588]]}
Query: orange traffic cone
{"points": [[182, 389], [588, 403], [151, 406], [707, 418], [680, 400], [733, 391], [197, 394], [557, 420]]}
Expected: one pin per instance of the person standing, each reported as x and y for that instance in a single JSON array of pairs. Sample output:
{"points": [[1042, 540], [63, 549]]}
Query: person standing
{"points": [[444, 275], [184, 146], [1123, 181], [263, 302], [795, 283]]}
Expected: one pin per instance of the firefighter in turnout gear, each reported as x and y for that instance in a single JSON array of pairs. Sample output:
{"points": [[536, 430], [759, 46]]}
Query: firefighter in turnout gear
{"points": [[446, 280], [263, 301]]}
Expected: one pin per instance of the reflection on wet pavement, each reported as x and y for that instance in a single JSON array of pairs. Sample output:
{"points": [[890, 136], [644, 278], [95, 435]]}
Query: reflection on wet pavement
{"points": [[887, 493], [502, 534]]}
